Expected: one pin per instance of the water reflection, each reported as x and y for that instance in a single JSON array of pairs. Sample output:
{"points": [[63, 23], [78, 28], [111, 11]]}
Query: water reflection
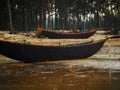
{"points": [[77, 75]]}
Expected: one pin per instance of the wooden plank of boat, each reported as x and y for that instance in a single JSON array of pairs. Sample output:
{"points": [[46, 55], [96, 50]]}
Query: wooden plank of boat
{"points": [[66, 35], [40, 41], [27, 52]]}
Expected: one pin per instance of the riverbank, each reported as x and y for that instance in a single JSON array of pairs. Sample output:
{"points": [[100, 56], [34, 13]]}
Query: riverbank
{"points": [[98, 72]]}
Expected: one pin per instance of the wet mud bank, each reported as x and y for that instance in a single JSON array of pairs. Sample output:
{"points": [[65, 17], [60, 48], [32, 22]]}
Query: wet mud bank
{"points": [[59, 76]]}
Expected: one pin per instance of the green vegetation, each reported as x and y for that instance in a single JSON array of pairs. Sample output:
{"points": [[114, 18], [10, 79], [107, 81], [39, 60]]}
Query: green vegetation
{"points": [[28, 15]]}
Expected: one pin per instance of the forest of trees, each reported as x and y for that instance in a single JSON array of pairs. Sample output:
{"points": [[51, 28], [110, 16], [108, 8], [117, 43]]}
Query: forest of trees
{"points": [[28, 15]]}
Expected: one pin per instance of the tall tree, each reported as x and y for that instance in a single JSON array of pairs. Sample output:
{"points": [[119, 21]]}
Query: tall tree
{"points": [[10, 17]]}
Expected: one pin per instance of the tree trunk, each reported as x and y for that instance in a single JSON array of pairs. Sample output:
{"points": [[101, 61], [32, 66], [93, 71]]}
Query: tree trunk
{"points": [[56, 19], [10, 17], [65, 20], [48, 14], [26, 20], [42, 15], [98, 16]]}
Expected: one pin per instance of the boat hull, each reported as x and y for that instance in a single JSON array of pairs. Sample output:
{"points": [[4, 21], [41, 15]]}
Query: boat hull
{"points": [[34, 53], [67, 35]]}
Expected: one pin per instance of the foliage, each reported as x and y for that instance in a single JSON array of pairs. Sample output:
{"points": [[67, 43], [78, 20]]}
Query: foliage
{"points": [[61, 14]]}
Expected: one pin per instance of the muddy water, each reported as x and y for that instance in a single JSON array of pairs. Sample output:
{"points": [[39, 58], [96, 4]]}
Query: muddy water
{"points": [[99, 72], [88, 74]]}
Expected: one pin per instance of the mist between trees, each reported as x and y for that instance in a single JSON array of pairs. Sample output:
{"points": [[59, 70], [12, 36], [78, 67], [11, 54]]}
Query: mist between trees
{"points": [[28, 15]]}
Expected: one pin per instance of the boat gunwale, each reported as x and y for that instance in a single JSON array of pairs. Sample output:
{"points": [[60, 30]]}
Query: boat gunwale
{"points": [[71, 33], [67, 45]]}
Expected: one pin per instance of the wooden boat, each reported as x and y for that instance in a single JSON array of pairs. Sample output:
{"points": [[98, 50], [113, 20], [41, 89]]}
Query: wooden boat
{"points": [[66, 35], [33, 53]]}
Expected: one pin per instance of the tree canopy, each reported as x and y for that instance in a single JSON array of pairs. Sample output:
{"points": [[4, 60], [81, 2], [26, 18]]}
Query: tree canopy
{"points": [[27, 15]]}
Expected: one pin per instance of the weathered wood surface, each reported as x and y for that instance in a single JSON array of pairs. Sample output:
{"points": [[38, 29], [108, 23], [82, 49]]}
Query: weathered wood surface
{"points": [[110, 50]]}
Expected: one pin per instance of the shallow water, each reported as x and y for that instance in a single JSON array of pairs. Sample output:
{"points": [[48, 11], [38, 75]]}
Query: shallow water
{"points": [[88, 74]]}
